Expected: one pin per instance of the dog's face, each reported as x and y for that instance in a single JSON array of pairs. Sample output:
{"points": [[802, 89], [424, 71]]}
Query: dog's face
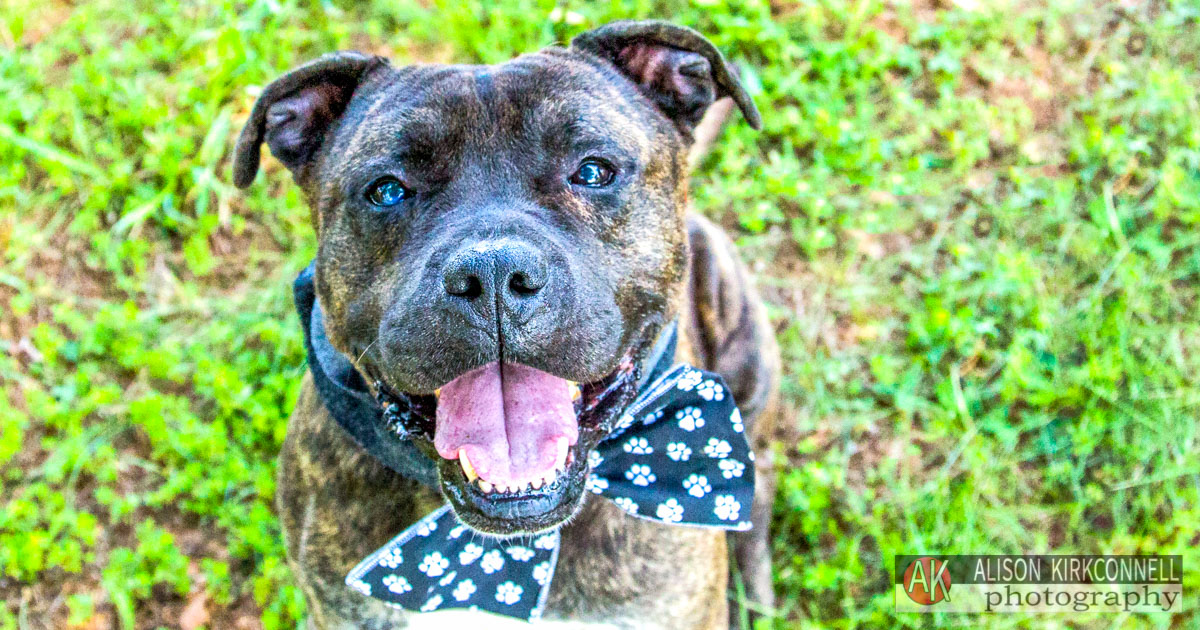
{"points": [[500, 245]]}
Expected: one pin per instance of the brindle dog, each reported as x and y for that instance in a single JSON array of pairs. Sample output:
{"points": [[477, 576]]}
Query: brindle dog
{"points": [[534, 213]]}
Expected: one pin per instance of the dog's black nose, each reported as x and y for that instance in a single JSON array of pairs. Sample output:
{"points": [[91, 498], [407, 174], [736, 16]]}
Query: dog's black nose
{"points": [[505, 274]]}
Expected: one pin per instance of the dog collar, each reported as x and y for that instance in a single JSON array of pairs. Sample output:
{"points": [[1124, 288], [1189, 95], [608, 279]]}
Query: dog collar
{"points": [[678, 456]]}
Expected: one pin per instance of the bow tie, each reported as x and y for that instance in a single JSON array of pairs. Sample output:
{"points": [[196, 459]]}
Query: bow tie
{"points": [[678, 456]]}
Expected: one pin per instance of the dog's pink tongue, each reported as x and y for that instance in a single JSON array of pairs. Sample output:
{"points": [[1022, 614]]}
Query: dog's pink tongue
{"points": [[509, 418]]}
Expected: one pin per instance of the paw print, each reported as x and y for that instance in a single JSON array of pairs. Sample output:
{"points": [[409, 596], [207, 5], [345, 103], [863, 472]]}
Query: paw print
{"points": [[469, 554], [431, 604], [697, 485], [670, 511], [711, 390], [361, 587], [433, 564], [541, 573], [727, 507], [508, 593], [545, 542], [457, 532], [689, 380], [492, 562], [397, 584], [426, 528], [731, 468], [678, 451], [717, 448], [640, 475], [392, 558], [597, 484], [735, 418], [638, 446], [689, 418], [651, 418], [627, 504], [464, 590], [520, 554], [594, 459]]}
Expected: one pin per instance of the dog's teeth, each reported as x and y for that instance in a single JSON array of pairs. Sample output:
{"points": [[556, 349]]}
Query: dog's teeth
{"points": [[485, 486], [575, 391], [468, 469], [560, 460], [437, 393], [535, 484]]}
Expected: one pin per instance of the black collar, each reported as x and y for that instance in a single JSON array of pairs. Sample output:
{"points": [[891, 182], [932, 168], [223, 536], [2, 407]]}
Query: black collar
{"points": [[345, 394]]}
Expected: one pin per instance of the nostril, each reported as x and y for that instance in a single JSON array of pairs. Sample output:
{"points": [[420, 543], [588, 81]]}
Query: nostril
{"points": [[520, 284], [464, 286]]}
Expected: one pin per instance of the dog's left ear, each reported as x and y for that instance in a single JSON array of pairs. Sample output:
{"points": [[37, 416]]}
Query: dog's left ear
{"points": [[676, 67]]}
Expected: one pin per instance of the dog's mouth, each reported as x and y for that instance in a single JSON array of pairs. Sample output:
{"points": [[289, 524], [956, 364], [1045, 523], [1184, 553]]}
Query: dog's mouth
{"points": [[511, 442]]}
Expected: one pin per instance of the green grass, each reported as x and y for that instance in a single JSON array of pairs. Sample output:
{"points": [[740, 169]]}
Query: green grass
{"points": [[977, 223]]}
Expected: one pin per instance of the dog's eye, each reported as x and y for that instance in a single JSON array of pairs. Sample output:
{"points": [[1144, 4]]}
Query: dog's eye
{"points": [[593, 173], [386, 192]]}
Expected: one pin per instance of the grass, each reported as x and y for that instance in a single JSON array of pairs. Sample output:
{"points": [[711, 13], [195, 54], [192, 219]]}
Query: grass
{"points": [[977, 223]]}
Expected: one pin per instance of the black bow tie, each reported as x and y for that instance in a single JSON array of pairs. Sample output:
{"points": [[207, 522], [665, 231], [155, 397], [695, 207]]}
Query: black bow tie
{"points": [[678, 456]]}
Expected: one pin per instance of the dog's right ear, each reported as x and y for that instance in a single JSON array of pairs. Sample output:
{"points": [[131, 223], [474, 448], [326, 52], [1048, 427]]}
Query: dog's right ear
{"points": [[294, 112]]}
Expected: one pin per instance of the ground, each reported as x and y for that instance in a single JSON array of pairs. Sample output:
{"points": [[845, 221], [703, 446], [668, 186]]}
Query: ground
{"points": [[977, 223]]}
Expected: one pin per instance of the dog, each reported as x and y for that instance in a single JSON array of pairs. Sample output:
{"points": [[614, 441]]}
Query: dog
{"points": [[486, 234]]}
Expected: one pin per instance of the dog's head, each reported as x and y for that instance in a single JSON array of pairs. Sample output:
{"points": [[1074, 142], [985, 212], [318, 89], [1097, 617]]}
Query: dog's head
{"points": [[500, 245]]}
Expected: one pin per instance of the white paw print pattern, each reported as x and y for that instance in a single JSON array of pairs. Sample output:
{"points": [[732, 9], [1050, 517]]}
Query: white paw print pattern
{"points": [[597, 484], [711, 390], [520, 554], [717, 448], [492, 562], [392, 558], [457, 532], [469, 554], [651, 418], [508, 593], [735, 419], [448, 578], [541, 573], [625, 422], [361, 587], [697, 485], [397, 584], [690, 418], [679, 451], [689, 380], [627, 504], [426, 528], [638, 446], [463, 590], [670, 511], [727, 507], [433, 564], [544, 542], [731, 468], [640, 475], [594, 459], [431, 604]]}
